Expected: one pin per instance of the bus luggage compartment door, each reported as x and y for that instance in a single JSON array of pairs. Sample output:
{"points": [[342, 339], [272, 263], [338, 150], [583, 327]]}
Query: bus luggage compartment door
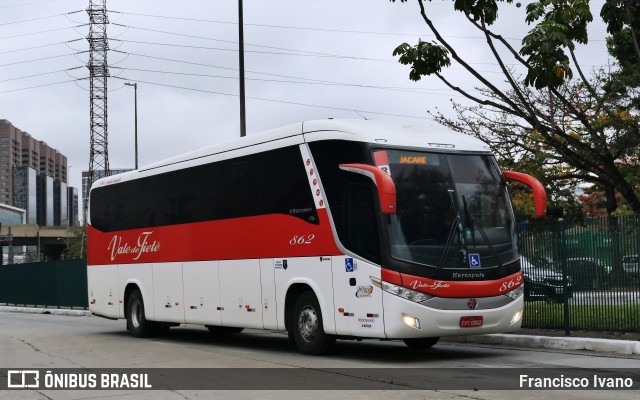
{"points": [[241, 293]]}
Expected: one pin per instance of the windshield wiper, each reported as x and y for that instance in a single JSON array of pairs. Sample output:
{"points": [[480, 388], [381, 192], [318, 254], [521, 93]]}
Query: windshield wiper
{"points": [[456, 225], [447, 246]]}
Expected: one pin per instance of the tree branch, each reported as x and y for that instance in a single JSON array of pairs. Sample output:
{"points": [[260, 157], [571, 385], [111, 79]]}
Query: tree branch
{"points": [[456, 57]]}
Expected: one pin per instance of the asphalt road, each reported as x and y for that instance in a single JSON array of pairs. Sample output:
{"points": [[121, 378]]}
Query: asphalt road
{"points": [[30, 341]]}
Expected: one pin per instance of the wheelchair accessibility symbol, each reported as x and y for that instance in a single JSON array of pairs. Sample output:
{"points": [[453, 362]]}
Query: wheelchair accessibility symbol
{"points": [[474, 260], [348, 264]]}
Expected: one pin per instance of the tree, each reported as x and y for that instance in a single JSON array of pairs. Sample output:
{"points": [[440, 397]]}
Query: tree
{"points": [[574, 121], [75, 244]]}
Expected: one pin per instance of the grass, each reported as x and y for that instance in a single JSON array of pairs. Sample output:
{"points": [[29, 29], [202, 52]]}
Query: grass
{"points": [[544, 315]]}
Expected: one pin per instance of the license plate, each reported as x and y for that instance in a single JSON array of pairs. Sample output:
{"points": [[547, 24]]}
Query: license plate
{"points": [[471, 322]]}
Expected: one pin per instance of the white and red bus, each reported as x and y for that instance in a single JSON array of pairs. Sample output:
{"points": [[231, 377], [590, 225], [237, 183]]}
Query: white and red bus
{"points": [[325, 229]]}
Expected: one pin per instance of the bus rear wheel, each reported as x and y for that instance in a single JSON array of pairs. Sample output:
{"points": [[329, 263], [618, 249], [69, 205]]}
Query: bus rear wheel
{"points": [[306, 326], [421, 343], [137, 322]]}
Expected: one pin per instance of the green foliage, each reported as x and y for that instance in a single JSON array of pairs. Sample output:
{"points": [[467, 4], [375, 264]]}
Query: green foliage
{"points": [[618, 14], [622, 84], [479, 10], [564, 22], [554, 121], [77, 234], [425, 58]]}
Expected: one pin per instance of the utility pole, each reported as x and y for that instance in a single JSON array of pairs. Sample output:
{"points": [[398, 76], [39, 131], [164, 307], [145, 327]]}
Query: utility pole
{"points": [[243, 118], [98, 75]]}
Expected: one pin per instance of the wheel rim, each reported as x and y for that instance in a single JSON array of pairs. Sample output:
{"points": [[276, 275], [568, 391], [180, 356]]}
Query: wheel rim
{"points": [[136, 314], [308, 323]]}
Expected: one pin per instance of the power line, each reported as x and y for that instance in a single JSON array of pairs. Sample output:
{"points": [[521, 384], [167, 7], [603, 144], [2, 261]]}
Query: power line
{"points": [[255, 72], [280, 26], [302, 53], [215, 66], [29, 4], [39, 47], [323, 55], [39, 86], [41, 59], [274, 100], [40, 32], [305, 28], [39, 18], [325, 83], [215, 40], [42, 74]]}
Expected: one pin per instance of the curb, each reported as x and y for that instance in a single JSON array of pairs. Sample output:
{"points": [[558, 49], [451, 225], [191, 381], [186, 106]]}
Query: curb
{"points": [[556, 343], [54, 311]]}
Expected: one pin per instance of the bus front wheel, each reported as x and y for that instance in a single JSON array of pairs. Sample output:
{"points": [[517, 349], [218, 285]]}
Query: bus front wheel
{"points": [[307, 328], [421, 343], [136, 320]]}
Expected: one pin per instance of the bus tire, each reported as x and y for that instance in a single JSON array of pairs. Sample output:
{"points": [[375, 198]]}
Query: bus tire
{"points": [[421, 343], [307, 327], [223, 330], [137, 322]]}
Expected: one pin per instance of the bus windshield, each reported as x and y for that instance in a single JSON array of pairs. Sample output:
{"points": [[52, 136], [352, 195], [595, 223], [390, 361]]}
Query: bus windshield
{"points": [[453, 211]]}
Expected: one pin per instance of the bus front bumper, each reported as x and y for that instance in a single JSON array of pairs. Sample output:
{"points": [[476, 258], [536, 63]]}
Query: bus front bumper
{"points": [[405, 319]]}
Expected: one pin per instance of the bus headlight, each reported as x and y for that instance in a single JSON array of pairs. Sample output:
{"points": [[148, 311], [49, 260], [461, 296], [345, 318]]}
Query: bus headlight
{"points": [[515, 293], [516, 317], [409, 294]]}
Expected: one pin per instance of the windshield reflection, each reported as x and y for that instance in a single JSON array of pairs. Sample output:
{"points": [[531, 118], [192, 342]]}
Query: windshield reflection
{"points": [[450, 209]]}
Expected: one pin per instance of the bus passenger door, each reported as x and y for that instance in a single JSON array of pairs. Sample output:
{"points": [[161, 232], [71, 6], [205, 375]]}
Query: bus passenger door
{"points": [[358, 303], [354, 291], [168, 292], [241, 293]]}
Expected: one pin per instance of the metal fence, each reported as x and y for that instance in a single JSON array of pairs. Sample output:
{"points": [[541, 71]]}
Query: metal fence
{"points": [[582, 275], [49, 284]]}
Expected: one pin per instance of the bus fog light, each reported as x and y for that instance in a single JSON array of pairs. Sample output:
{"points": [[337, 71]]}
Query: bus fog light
{"points": [[411, 321], [516, 317]]}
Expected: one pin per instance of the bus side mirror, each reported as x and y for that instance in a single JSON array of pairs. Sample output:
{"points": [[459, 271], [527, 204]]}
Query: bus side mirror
{"points": [[539, 194], [384, 183]]}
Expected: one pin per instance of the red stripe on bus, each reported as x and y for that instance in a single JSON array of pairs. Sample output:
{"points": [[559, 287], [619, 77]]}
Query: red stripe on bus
{"points": [[462, 288], [264, 236], [391, 277]]}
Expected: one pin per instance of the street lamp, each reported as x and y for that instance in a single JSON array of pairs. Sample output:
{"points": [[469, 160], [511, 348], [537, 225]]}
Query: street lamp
{"points": [[135, 94]]}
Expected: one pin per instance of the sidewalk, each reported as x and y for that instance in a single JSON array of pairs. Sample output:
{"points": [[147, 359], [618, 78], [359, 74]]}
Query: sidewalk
{"points": [[39, 310], [607, 342]]}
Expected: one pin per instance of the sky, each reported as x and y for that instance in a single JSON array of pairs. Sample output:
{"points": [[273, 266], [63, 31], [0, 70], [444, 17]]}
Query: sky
{"points": [[304, 59]]}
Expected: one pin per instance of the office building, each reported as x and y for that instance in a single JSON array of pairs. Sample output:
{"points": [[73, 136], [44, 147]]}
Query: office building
{"points": [[33, 177]]}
